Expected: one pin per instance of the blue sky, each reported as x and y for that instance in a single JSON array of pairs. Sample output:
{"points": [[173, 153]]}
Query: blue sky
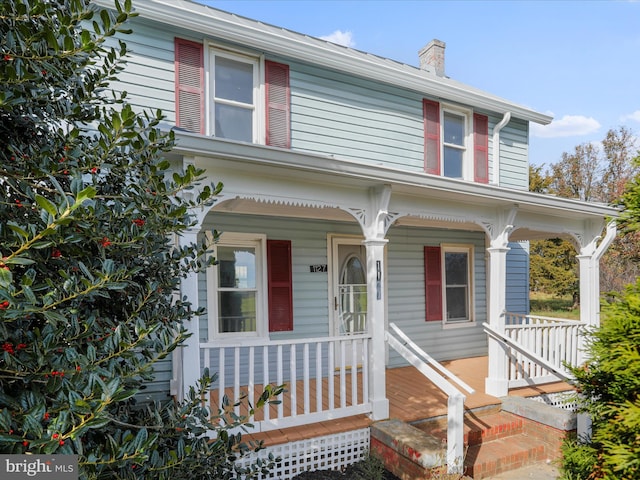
{"points": [[576, 60]]}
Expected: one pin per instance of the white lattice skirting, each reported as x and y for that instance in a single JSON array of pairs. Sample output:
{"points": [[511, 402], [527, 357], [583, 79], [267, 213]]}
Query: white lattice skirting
{"points": [[331, 452], [563, 400]]}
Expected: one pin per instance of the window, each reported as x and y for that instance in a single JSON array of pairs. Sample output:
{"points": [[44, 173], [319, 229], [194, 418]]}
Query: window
{"points": [[234, 92], [449, 148], [454, 144], [249, 288], [457, 279], [247, 99], [448, 283], [236, 285]]}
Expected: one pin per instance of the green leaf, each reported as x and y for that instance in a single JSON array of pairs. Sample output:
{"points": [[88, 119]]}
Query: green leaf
{"points": [[46, 204], [84, 195]]}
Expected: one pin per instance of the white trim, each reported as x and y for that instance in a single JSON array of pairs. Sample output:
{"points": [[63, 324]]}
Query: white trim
{"points": [[302, 165]]}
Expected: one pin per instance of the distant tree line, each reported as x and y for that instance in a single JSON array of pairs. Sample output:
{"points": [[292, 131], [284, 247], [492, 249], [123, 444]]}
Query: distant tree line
{"points": [[592, 173]]}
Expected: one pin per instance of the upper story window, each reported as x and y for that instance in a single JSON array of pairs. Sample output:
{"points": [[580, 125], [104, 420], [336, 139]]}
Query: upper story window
{"points": [[455, 142], [241, 98], [234, 97]]}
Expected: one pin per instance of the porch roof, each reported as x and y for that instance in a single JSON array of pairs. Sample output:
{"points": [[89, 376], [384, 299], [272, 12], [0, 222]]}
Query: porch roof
{"points": [[328, 170]]}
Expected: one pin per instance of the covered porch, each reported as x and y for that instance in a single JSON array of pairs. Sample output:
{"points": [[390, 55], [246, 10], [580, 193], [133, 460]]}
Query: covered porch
{"points": [[413, 398]]}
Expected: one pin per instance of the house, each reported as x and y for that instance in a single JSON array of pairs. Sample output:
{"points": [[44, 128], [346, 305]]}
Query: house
{"points": [[364, 200]]}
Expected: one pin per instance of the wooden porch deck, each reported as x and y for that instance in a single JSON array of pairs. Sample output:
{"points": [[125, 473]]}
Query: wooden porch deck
{"points": [[412, 398]]}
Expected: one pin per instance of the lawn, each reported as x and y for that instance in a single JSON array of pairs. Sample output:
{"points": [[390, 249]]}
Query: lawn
{"points": [[553, 306]]}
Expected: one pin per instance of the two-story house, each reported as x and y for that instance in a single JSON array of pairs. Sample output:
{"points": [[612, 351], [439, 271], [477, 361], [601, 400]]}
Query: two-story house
{"points": [[359, 192]]}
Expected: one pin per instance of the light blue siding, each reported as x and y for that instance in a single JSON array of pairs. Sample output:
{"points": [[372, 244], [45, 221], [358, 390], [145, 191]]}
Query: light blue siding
{"points": [[517, 300], [406, 294], [514, 154], [405, 281], [331, 113]]}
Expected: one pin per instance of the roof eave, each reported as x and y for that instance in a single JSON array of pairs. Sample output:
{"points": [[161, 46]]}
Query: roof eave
{"points": [[190, 144], [202, 19]]}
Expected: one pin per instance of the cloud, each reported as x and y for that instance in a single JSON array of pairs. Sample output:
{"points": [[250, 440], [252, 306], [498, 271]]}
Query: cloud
{"points": [[567, 126], [341, 38], [635, 117]]}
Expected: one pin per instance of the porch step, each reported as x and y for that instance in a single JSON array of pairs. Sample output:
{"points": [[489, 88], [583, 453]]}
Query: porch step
{"points": [[496, 441]]}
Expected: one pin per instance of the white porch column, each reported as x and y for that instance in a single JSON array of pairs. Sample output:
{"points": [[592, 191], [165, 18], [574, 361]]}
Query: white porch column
{"points": [[190, 350], [376, 314], [497, 382], [375, 221], [589, 264]]}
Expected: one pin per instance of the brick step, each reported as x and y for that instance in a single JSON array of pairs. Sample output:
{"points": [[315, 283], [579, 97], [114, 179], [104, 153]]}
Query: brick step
{"points": [[479, 426], [496, 441], [504, 454]]}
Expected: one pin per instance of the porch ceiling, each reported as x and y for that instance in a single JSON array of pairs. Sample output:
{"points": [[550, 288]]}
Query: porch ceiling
{"points": [[322, 182]]}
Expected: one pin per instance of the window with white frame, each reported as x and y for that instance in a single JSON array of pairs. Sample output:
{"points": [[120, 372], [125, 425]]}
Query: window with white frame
{"points": [[455, 161], [234, 96], [236, 286], [241, 97], [456, 142], [457, 282]]}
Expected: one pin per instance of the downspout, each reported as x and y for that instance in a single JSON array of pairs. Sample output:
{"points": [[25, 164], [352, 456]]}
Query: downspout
{"points": [[496, 146]]}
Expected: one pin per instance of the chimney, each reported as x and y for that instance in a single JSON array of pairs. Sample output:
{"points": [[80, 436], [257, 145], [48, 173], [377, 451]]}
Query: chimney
{"points": [[432, 57]]}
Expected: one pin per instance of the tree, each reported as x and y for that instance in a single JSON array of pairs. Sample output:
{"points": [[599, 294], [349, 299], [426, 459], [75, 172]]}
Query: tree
{"points": [[610, 381], [610, 387], [593, 174], [89, 271], [555, 267]]}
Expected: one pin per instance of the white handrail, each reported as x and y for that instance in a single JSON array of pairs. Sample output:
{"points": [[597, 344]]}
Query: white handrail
{"points": [[558, 371], [429, 359], [455, 403]]}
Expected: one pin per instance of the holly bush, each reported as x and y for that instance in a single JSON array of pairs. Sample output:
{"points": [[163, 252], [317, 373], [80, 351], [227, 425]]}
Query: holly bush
{"points": [[89, 267]]}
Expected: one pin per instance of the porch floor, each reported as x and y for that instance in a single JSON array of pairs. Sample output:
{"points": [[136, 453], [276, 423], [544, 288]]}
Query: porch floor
{"points": [[412, 398]]}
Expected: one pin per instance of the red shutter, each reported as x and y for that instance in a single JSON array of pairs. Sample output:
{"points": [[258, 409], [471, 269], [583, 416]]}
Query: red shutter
{"points": [[280, 285], [278, 104], [431, 112], [481, 148], [433, 283], [189, 67]]}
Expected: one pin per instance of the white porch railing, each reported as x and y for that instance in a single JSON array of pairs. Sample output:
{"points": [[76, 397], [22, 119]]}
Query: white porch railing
{"points": [[546, 345], [442, 378], [326, 378]]}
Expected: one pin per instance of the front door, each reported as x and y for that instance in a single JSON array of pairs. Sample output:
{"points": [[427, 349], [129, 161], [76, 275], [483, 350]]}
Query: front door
{"points": [[349, 286]]}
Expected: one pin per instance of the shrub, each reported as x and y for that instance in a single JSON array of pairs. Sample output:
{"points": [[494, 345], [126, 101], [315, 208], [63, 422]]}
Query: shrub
{"points": [[610, 384], [89, 270]]}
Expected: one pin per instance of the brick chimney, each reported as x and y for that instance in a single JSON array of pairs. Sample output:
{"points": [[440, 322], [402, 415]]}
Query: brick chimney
{"points": [[432, 57]]}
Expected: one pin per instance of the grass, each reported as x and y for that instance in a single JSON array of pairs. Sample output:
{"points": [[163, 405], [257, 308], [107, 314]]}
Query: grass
{"points": [[553, 306]]}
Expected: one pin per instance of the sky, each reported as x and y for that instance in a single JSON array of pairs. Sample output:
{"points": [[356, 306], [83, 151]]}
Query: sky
{"points": [[577, 60]]}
